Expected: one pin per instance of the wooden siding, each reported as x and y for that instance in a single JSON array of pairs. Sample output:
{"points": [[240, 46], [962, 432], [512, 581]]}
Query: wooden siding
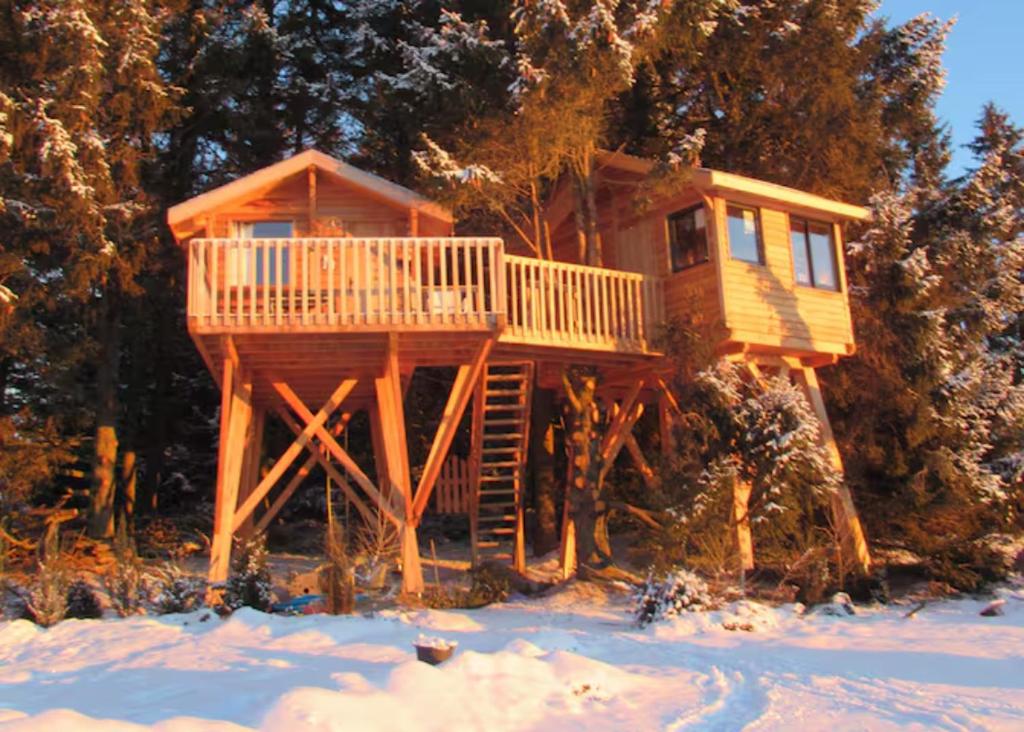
{"points": [[763, 304]]}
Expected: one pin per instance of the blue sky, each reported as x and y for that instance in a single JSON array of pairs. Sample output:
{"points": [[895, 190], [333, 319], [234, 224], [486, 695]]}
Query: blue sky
{"points": [[984, 61]]}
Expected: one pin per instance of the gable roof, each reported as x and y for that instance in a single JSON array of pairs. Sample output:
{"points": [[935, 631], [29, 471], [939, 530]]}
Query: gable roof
{"points": [[708, 179], [254, 182]]}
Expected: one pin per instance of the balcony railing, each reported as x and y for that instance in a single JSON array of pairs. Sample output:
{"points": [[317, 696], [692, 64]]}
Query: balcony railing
{"points": [[383, 284], [374, 284], [561, 304]]}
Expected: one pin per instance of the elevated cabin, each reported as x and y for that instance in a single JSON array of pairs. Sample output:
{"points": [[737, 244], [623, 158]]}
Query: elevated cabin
{"points": [[316, 289], [761, 260]]}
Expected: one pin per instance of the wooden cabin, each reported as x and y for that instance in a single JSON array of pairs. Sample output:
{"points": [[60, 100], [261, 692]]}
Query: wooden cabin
{"points": [[316, 289]]}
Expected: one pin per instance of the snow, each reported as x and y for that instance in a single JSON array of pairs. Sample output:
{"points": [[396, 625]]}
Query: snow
{"points": [[570, 661]]}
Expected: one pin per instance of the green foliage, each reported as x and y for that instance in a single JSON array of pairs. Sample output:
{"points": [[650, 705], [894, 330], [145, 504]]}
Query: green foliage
{"points": [[47, 599], [249, 584], [125, 580], [82, 602], [176, 591]]}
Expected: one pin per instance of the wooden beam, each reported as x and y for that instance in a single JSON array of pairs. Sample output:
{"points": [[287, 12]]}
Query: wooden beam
{"points": [[311, 184], [620, 415], [851, 533], [300, 474], [475, 454], [336, 450], [646, 472], [466, 379], [388, 389], [617, 439], [236, 412], [319, 454], [665, 427], [314, 423], [251, 469], [741, 519]]}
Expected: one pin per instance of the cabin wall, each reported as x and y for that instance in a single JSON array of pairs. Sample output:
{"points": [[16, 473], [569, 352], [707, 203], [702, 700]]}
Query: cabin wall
{"points": [[337, 209], [763, 304]]}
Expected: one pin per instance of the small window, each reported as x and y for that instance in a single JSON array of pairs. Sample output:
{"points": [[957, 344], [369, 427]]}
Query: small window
{"points": [[270, 252], [744, 234], [688, 238], [814, 254]]}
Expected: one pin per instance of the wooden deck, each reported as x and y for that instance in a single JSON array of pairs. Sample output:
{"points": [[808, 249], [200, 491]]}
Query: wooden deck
{"points": [[438, 288]]}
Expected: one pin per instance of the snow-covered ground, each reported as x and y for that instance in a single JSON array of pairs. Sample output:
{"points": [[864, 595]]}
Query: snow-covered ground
{"points": [[566, 662]]}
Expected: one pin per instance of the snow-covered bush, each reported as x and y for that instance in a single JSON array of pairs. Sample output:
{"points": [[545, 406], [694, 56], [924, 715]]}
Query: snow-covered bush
{"points": [[680, 591], [125, 580], [82, 601], [249, 584], [177, 592]]}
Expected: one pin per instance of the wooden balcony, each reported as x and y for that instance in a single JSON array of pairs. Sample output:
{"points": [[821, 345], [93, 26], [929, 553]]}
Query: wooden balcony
{"points": [[348, 285]]}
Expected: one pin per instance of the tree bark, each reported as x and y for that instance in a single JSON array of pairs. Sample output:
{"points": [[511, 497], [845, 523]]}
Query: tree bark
{"points": [[585, 507], [542, 458], [101, 503]]}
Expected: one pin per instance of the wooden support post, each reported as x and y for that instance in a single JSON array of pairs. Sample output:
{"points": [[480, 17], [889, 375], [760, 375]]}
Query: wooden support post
{"points": [[567, 546], [475, 456], [388, 388], [741, 518], [466, 379], [251, 469], [236, 412], [646, 472], [665, 427], [851, 533]]}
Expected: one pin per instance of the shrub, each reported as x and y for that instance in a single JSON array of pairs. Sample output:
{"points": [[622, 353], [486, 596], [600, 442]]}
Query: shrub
{"points": [[680, 591], [178, 592], [14, 601], [47, 600], [125, 580], [249, 584], [82, 601], [490, 583]]}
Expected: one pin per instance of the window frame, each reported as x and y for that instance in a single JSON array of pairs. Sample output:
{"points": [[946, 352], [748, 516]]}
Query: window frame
{"points": [[809, 253], [670, 233], [758, 233], [240, 227]]}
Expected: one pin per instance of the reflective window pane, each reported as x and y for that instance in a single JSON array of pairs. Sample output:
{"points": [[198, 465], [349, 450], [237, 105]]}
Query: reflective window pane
{"points": [[801, 262], [688, 241], [744, 234], [822, 256]]}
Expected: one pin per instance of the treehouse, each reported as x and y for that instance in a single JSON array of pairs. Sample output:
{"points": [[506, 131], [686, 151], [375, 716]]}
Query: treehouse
{"points": [[315, 290]]}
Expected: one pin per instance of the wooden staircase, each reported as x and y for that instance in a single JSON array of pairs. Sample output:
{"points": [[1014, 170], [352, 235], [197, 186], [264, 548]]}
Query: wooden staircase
{"points": [[501, 422]]}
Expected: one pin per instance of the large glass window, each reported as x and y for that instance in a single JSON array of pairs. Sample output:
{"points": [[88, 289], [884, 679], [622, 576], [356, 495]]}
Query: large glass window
{"points": [[268, 230], [814, 254], [744, 234], [688, 238]]}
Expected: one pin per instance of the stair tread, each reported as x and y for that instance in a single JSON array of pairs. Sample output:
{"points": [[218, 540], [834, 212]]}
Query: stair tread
{"points": [[504, 407]]}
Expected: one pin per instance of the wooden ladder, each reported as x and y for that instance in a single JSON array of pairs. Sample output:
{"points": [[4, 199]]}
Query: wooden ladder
{"points": [[501, 425]]}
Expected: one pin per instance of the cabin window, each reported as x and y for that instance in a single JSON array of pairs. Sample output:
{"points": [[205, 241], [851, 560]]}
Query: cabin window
{"points": [[688, 238], [267, 230], [744, 234], [814, 254]]}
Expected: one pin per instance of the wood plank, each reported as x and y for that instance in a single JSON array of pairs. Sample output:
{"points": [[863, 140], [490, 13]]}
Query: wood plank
{"points": [[466, 379]]}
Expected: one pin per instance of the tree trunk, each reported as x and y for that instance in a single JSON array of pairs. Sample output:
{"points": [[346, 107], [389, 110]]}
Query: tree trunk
{"points": [[542, 458], [129, 481], [586, 509], [101, 503]]}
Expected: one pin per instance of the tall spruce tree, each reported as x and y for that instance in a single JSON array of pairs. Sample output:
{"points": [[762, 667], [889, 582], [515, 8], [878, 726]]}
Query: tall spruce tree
{"points": [[85, 104]]}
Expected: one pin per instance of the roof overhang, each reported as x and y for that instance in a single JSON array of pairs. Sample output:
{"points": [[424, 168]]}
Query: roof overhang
{"points": [[710, 180], [179, 216]]}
